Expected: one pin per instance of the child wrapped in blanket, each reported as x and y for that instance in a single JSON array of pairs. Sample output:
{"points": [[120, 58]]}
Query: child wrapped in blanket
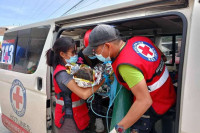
{"points": [[86, 77], [83, 75]]}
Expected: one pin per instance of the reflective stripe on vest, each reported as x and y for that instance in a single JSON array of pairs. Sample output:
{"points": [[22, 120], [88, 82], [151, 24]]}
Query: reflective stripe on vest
{"points": [[160, 82], [60, 102], [74, 104], [78, 103]]}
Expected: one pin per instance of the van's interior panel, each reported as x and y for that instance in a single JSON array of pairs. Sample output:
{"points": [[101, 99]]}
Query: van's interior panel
{"points": [[165, 32]]}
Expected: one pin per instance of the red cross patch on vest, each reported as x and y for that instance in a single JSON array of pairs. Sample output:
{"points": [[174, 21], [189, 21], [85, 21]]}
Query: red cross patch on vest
{"points": [[145, 50]]}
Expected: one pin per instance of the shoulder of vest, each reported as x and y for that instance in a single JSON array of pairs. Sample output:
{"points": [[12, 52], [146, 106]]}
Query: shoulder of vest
{"points": [[59, 68]]}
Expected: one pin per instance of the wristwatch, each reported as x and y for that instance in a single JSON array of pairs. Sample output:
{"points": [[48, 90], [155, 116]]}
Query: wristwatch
{"points": [[119, 129]]}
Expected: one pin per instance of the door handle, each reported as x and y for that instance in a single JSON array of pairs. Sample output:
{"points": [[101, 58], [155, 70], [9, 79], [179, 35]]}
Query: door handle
{"points": [[39, 83]]}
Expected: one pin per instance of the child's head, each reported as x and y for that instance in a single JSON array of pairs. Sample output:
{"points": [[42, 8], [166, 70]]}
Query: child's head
{"points": [[84, 73]]}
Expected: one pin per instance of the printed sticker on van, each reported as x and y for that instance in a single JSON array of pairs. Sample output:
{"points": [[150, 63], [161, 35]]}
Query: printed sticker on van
{"points": [[7, 51], [18, 98]]}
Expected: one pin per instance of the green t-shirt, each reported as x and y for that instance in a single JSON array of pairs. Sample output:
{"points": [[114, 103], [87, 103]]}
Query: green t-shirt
{"points": [[130, 75]]}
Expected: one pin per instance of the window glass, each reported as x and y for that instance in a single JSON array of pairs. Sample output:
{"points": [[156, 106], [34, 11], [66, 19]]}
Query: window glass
{"points": [[166, 48], [171, 52], [28, 45], [21, 51], [37, 41], [178, 49]]}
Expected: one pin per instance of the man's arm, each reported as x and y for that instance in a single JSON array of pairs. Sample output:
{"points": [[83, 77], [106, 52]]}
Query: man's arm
{"points": [[140, 106]]}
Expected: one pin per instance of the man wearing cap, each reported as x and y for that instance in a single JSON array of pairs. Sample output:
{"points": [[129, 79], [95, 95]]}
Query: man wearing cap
{"points": [[139, 67]]}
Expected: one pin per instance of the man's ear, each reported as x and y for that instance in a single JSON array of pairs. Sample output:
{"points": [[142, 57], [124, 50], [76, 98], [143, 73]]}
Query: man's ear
{"points": [[62, 54], [108, 45]]}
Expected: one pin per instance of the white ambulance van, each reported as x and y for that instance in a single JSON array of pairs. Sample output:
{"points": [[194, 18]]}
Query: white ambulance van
{"points": [[26, 88]]}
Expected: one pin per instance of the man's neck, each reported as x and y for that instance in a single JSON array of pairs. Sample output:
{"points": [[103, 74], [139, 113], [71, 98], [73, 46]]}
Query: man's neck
{"points": [[119, 47]]}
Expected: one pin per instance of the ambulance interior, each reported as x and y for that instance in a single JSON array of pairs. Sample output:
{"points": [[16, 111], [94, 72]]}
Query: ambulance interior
{"points": [[166, 32]]}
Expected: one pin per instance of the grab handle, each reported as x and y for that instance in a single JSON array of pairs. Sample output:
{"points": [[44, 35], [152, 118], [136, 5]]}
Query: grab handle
{"points": [[39, 83]]}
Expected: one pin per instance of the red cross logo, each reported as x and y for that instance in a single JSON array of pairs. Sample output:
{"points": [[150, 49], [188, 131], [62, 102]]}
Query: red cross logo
{"points": [[6, 57], [145, 50], [17, 97]]}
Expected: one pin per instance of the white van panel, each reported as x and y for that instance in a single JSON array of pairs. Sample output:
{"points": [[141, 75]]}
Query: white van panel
{"points": [[34, 118], [190, 112], [35, 113]]}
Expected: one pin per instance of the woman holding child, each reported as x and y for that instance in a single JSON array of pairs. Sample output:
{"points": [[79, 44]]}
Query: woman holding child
{"points": [[71, 112]]}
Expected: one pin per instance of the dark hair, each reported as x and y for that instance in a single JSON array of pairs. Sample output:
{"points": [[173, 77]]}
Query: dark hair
{"points": [[84, 73], [61, 45]]}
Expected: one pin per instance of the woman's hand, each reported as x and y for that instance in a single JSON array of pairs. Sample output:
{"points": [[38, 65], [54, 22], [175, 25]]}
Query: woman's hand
{"points": [[83, 93]]}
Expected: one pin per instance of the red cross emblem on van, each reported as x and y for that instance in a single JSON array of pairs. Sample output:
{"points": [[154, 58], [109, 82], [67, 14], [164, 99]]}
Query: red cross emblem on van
{"points": [[18, 98]]}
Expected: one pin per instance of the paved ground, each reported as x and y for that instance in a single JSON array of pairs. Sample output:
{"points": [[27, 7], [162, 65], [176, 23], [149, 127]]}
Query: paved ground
{"points": [[2, 128]]}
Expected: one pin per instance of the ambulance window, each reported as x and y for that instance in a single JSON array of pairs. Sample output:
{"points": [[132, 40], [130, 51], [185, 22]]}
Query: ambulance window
{"points": [[37, 41], [166, 48], [29, 47], [170, 46], [21, 51], [10, 35], [178, 49]]}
